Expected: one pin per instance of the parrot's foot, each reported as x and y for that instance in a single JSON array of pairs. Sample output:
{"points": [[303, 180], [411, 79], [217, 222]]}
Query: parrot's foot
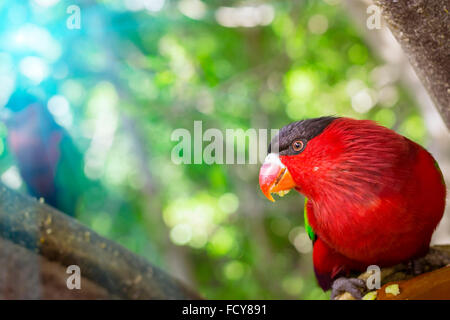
{"points": [[356, 287], [435, 259]]}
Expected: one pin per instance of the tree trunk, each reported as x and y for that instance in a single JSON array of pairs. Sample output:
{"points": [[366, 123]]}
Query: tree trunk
{"points": [[422, 29]]}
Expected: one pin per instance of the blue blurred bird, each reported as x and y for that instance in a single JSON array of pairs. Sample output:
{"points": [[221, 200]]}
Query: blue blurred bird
{"points": [[50, 164]]}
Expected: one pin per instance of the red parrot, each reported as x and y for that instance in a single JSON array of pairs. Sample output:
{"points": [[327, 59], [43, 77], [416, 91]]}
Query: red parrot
{"points": [[374, 197]]}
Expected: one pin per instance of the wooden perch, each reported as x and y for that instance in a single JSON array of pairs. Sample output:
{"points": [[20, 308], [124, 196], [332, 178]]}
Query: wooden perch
{"points": [[421, 28], [398, 282], [433, 285], [38, 243]]}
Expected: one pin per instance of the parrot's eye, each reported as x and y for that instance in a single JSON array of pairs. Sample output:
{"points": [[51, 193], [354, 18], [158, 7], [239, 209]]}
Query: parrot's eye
{"points": [[298, 145]]}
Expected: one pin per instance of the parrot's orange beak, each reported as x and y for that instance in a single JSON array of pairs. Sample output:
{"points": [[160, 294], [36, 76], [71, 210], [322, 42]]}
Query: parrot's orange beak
{"points": [[274, 177]]}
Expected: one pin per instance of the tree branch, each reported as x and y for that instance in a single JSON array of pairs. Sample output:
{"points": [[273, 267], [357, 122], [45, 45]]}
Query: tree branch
{"points": [[54, 241]]}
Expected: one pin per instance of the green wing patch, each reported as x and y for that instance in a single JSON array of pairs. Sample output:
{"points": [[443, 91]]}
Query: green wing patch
{"points": [[308, 228], [439, 169]]}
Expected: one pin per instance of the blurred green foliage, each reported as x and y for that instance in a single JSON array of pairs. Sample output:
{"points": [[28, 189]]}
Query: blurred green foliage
{"points": [[132, 77]]}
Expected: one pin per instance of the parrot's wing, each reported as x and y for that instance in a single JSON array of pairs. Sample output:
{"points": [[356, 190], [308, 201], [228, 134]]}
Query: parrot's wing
{"points": [[308, 228], [70, 180]]}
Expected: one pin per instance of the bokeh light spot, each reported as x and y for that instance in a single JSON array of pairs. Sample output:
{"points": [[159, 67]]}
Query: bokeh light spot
{"points": [[234, 270], [194, 9], [59, 107], [318, 24], [181, 234], [46, 3], [229, 203], [34, 68], [11, 178]]}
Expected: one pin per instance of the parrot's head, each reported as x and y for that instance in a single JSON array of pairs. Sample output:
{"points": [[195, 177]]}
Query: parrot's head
{"points": [[26, 112], [323, 154]]}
